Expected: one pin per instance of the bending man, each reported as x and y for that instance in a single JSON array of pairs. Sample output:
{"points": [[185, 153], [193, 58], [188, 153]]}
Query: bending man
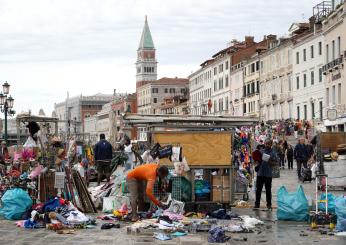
{"points": [[143, 178]]}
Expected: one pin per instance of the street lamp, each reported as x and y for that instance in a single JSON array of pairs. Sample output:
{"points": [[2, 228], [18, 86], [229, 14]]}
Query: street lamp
{"points": [[6, 105]]}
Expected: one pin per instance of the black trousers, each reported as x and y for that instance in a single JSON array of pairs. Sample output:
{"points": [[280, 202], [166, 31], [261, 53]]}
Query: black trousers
{"points": [[282, 160], [299, 166], [290, 162], [267, 182]]}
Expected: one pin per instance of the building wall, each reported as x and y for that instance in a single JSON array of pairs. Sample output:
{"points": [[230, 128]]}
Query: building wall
{"points": [[236, 90], [251, 87], [276, 82], [152, 95], [308, 92]]}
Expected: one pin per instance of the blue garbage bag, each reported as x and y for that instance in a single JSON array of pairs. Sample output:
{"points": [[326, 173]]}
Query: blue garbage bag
{"points": [[331, 203], [292, 205], [15, 202], [340, 210]]}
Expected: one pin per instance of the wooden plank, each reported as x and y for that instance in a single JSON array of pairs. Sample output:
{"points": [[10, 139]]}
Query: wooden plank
{"points": [[331, 140], [199, 148]]}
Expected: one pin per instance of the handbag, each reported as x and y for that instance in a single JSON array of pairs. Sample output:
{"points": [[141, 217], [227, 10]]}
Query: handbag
{"points": [[276, 171], [165, 151], [154, 152]]}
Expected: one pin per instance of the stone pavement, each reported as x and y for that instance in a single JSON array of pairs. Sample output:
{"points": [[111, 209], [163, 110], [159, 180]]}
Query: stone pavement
{"points": [[273, 232]]}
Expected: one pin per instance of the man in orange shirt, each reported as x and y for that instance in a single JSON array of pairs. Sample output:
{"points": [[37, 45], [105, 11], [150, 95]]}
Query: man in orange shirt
{"points": [[137, 179]]}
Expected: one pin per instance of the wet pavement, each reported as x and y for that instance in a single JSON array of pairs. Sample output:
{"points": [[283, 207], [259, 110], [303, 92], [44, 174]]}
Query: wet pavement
{"points": [[272, 232]]}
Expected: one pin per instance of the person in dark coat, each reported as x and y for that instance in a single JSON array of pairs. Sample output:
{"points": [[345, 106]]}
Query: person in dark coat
{"points": [[265, 174], [289, 155], [301, 155], [103, 156]]}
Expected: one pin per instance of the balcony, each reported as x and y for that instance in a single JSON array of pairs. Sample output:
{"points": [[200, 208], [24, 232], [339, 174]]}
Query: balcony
{"points": [[333, 65]]}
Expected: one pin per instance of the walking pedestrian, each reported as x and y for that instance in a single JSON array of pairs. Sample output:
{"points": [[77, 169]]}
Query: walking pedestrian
{"points": [[265, 174], [103, 156], [289, 155], [301, 155]]}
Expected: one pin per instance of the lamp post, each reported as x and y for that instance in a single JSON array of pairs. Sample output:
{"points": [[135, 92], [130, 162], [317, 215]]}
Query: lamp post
{"points": [[6, 105]]}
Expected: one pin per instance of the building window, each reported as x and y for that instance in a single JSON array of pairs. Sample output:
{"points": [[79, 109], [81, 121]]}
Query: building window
{"points": [[257, 65], [215, 71], [155, 100], [226, 81], [339, 47], [226, 103], [248, 89], [215, 106], [339, 93], [253, 87], [182, 90], [226, 65], [297, 82], [289, 83], [333, 95], [258, 87], [312, 51], [327, 97], [304, 80], [166, 90], [297, 58], [221, 83], [312, 77], [172, 90], [333, 50], [304, 54], [312, 110], [220, 68], [320, 48], [138, 70], [320, 74], [215, 86], [244, 107], [298, 112], [321, 110], [305, 112], [327, 53], [155, 90]]}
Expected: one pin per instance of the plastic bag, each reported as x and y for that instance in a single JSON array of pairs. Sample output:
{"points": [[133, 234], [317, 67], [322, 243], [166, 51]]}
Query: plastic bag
{"points": [[340, 210], [331, 203], [292, 205], [15, 202]]}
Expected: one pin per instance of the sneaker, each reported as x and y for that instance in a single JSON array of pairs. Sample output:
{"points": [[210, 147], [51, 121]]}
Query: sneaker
{"points": [[256, 207], [269, 208]]}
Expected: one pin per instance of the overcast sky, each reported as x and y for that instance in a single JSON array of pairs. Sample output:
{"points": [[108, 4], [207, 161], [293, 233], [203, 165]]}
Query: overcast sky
{"points": [[49, 47]]}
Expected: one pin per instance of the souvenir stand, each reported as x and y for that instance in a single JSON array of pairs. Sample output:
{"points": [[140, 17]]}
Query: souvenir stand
{"points": [[331, 154], [207, 145], [52, 163]]}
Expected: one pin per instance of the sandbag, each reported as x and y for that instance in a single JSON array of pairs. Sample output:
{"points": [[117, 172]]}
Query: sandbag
{"points": [[331, 203], [292, 205], [340, 210], [15, 202]]}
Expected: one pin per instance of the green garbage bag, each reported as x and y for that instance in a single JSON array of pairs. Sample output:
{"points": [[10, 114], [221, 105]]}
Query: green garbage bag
{"points": [[292, 205]]}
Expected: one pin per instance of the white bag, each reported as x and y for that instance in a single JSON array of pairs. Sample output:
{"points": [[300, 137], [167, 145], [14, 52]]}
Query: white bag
{"points": [[114, 203], [265, 157]]}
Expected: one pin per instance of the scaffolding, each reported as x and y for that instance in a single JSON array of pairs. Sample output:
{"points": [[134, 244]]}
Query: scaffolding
{"points": [[321, 10]]}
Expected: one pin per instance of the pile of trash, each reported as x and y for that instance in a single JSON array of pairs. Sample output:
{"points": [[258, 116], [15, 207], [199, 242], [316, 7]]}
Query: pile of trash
{"points": [[56, 214]]}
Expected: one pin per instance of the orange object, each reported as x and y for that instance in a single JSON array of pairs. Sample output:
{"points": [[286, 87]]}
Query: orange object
{"points": [[146, 172]]}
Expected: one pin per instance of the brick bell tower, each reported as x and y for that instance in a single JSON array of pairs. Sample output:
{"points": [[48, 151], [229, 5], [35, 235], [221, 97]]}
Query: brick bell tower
{"points": [[146, 65]]}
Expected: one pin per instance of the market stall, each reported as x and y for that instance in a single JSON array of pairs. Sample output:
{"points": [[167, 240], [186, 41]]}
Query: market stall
{"points": [[213, 147]]}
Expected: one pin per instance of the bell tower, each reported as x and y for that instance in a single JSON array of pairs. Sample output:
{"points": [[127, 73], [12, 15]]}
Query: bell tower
{"points": [[146, 65]]}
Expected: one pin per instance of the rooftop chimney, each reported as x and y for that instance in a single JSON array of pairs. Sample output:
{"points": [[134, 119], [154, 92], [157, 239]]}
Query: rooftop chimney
{"points": [[249, 40]]}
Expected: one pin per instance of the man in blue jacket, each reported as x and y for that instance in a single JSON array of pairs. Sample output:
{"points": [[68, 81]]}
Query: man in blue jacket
{"points": [[265, 174], [103, 157], [301, 154]]}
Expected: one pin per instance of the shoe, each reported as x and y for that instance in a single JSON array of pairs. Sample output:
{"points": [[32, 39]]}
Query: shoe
{"points": [[256, 207], [269, 208]]}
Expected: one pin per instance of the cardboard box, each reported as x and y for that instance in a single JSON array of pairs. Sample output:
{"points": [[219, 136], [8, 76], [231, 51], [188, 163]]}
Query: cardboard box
{"points": [[226, 195], [217, 192], [216, 180], [225, 181]]}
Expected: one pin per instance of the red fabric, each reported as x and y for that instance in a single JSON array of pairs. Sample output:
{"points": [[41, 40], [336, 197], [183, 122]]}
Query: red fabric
{"points": [[257, 156]]}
